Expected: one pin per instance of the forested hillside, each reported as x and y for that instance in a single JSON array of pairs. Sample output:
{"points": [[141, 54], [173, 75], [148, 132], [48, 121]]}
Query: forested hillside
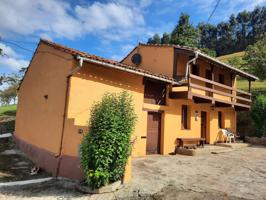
{"points": [[226, 37]]}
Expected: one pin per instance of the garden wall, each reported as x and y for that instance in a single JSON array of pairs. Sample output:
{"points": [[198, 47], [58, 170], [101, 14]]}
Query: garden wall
{"points": [[256, 140]]}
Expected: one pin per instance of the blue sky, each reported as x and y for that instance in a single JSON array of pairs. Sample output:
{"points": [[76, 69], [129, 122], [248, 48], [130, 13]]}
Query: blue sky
{"points": [[106, 28]]}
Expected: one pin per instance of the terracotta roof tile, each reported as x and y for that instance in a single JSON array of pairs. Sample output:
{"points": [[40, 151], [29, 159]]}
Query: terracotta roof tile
{"points": [[75, 52]]}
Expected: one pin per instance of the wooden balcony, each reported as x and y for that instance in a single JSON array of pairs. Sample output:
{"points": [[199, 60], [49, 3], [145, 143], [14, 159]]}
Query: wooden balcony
{"points": [[203, 90]]}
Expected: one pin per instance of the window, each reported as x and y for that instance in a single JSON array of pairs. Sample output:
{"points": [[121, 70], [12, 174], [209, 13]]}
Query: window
{"points": [[185, 120], [154, 92], [221, 78], [220, 119], [195, 70]]}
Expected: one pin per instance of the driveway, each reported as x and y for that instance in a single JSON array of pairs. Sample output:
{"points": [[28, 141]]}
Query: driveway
{"points": [[238, 174]]}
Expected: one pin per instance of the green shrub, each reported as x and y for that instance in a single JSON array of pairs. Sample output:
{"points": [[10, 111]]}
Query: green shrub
{"points": [[105, 149], [258, 114]]}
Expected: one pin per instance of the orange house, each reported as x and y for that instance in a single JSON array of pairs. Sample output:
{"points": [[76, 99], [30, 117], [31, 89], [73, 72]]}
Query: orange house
{"points": [[177, 92]]}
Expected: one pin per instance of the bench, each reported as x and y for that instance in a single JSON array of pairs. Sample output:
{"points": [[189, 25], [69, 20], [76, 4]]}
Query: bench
{"points": [[190, 142]]}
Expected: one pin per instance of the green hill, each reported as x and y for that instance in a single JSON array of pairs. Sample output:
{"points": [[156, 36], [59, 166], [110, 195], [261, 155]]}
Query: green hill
{"points": [[236, 60], [226, 58]]}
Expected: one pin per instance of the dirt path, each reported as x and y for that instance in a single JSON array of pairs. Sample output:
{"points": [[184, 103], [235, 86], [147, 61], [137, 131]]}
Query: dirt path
{"points": [[235, 175]]}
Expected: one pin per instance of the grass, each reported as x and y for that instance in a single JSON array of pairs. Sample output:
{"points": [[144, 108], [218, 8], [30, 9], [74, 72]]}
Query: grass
{"points": [[257, 85], [243, 84], [9, 110], [225, 58]]}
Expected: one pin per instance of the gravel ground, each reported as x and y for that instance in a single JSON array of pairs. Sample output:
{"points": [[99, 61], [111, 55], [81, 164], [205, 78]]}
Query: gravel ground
{"points": [[234, 175]]}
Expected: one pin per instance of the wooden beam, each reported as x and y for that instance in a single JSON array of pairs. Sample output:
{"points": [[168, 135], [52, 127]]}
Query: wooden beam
{"points": [[217, 84], [249, 86], [218, 92], [212, 76]]}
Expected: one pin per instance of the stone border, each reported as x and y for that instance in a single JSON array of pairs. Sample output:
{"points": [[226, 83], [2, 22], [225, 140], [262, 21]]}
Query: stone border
{"points": [[105, 189]]}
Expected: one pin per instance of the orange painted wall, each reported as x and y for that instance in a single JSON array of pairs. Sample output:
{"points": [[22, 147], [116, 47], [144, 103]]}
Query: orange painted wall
{"points": [[88, 86], [156, 59], [39, 120], [171, 120]]}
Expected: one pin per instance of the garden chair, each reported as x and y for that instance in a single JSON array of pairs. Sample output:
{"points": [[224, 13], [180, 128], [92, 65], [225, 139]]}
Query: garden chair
{"points": [[228, 135]]}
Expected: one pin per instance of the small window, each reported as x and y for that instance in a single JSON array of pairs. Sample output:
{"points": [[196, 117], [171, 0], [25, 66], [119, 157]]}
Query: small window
{"points": [[221, 78], [185, 117], [220, 119], [195, 70]]}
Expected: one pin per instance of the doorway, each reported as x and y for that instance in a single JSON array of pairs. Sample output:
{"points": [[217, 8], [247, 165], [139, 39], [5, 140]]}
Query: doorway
{"points": [[203, 124], [153, 133]]}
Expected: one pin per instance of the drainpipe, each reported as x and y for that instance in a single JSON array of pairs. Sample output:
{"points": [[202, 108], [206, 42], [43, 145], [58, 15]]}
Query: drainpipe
{"points": [[193, 60], [65, 111]]}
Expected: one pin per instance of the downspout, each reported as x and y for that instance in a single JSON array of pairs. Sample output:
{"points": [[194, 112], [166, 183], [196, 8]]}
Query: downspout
{"points": [[193, 60], [65, 111]]}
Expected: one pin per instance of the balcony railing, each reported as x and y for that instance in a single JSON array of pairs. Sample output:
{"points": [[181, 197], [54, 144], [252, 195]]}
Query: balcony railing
{"points": [[203, 88]]}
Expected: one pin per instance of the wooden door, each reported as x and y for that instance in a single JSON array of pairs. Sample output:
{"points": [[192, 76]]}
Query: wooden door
{"points": [[153, 133], [203, 124]]}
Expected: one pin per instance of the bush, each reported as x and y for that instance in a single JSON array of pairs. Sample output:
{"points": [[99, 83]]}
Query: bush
{"points": [[105, 149], [258, 114]]}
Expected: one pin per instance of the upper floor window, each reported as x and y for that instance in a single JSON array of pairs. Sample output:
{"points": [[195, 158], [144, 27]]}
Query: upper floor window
{"points": [[221, 78], [195, 70], [154, 92], [185, 119]]}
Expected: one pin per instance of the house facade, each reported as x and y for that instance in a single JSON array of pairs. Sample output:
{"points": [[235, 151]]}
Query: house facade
{"points": [[177, 92]]}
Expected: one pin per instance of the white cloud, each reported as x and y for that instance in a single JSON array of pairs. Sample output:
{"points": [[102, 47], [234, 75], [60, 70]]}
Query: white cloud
{"points": [[6, 50], [57, 19], [11, 59], [13, 63]]}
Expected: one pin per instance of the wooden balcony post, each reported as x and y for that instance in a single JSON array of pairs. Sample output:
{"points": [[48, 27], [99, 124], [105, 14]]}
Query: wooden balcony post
{"points": [[189, 82], [212, 79], [249, 85]]}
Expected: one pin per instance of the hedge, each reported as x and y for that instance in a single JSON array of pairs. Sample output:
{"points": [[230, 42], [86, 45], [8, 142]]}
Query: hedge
{"points": [[258, 115], [105, 149]]}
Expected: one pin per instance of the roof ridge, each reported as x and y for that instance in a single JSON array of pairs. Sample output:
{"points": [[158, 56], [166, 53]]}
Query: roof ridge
{"points": [[171, 45]]}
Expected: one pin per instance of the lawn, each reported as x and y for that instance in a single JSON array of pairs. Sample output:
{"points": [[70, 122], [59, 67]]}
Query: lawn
{"points": [[7, 118], [9, 110], [225, 58], [243, 84], [257, 85]]}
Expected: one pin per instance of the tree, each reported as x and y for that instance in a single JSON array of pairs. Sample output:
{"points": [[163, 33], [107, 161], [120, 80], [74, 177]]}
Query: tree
{"points": [[155, 39], [229, 36], [184, 33], [166, 38], [209, 52], [9, 93], [255, 58]]}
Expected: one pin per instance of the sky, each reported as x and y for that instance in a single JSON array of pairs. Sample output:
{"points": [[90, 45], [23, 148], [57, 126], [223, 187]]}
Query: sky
{"points": [[107, 28]]}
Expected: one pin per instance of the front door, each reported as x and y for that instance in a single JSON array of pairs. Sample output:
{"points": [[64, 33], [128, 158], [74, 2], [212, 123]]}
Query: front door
{"points": [[153, 133], [203, 124]]}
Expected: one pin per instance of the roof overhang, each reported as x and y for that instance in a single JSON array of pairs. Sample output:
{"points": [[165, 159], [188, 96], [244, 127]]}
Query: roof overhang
{"points": [[220, 64], [133, 71]]}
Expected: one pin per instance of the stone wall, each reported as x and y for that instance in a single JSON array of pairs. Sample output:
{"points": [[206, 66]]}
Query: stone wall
{"points": [[256, 140]]}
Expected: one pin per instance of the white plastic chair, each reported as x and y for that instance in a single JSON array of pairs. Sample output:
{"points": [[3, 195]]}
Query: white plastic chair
{"points": [[229, 135]]}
